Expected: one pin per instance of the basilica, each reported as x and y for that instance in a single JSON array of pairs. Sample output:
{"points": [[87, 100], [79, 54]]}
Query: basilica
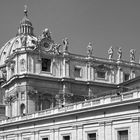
{"points": [[48, 93]]}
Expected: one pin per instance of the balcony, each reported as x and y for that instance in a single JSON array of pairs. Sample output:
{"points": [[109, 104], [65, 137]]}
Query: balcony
{"points": [[93, 103]]}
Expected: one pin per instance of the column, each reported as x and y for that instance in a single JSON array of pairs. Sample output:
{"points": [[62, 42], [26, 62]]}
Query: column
{"points": [[108, 130], [102, 131], [80, 133], [56, 134], [19, 136], [118, 76], [89, 71], [135, 129], [74, 133]]}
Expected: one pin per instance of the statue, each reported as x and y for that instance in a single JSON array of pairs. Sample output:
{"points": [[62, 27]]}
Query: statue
{"points": [[46, 33], [65, 45], [56, 48], [4, 73], [110, 53], [89, 49], [24, 40], [132, 55], [22, 64], [119, 53]]}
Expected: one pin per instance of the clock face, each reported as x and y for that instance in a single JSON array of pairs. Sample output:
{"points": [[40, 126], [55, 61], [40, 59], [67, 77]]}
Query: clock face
{"points": [[46, 44]]}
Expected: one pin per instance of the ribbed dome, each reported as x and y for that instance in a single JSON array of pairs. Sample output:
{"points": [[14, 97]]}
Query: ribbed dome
{"points": [[15, 44], [24, 39]]}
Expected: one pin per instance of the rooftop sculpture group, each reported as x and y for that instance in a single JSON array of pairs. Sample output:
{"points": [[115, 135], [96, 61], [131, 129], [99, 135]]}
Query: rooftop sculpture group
{"points": [[119, 52], [111, 53]]}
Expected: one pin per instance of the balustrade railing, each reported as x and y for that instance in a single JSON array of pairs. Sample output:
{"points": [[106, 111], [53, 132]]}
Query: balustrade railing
{"points": [[133, 94]]}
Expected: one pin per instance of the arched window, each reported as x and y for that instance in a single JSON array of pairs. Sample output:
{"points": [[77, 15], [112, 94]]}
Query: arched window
{"points": [[22, 109]]}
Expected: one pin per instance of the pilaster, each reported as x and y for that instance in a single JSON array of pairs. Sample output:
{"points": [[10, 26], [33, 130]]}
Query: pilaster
{"points": [[102, 130], [135, 128], [80, 132], [108, 130]]}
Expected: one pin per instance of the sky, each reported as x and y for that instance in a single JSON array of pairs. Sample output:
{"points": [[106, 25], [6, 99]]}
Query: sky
{"points": [[104, 23]]}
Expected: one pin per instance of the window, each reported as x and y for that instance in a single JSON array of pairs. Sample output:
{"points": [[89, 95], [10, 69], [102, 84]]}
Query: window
{"points": [[123, 135], [66, 137], [126, 76], [92, 136], [77, 72], [101, 74], [46, 138], [22, 95], [22, 109], [46, 65]]}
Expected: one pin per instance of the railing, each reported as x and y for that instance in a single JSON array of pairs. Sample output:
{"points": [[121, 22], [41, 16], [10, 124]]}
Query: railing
{"points": [[133, 94], [105, 60]]}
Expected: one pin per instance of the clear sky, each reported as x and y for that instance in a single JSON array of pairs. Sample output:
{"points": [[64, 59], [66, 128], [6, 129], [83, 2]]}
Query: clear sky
{"points": [[105, 23]]}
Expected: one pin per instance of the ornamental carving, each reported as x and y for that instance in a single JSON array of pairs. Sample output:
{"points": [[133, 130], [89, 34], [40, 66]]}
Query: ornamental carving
{"points": [[32, 93], [45, 40], [22, 65], [65, 45], [24, 40], [110, 53], [119, 53], [11, 98], [4, 73], [56, 48], [89, 50], [11, 66], [132, 55]]}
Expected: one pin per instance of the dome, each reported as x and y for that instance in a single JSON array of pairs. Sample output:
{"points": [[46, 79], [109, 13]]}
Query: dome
{"points": [[25, 24], [24, 38], [15, 44]]}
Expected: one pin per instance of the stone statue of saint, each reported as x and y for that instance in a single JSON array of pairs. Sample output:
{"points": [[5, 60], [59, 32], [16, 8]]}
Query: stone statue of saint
{"points": [[132, 55], [46, 33], [65, 45], [24, 40], [22, 64], [89, 49], [110, 53], [119, 53], [56, 48]]}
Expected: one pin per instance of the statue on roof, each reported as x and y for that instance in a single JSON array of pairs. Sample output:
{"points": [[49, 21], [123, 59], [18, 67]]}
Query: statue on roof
{"points": [[119, 53], [110, 53], [24, 41], [132, 55], [56, 48], [65, 44], [25, 11], [89, 50], [46, 33]]}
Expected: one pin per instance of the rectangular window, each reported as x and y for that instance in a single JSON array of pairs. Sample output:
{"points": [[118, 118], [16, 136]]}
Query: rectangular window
{"points": [[92, 136], [123, 135], [22, 95], [46, 64], [126, 76], [46, 138], [77, 72], [66, 137], [101, 74]]}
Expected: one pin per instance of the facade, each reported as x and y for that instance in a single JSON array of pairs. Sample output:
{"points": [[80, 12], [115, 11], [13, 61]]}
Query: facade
{"points": [[50, 93]]}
